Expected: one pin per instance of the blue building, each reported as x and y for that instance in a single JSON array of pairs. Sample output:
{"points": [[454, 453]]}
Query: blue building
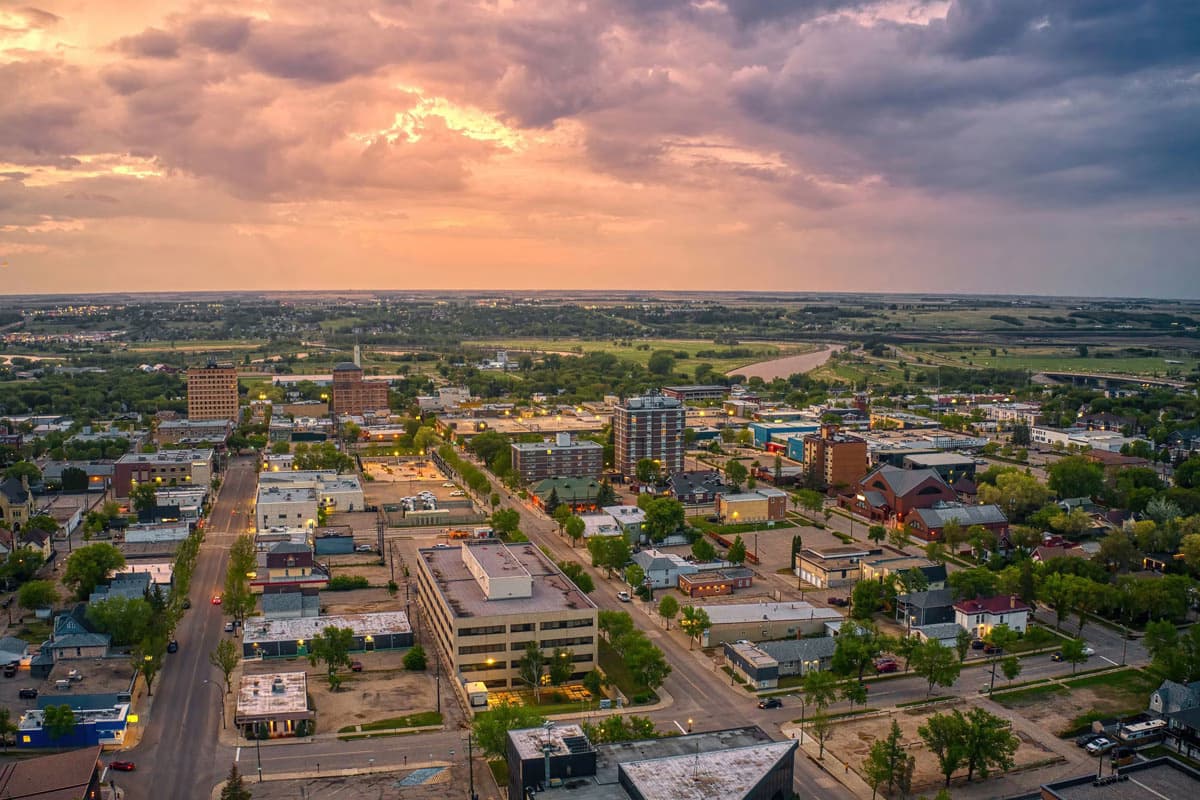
{"points": [[764, 430], [100, 719]]}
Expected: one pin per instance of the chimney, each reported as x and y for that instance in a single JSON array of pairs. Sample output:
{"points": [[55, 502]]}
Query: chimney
{"points": [[1012, 601]]}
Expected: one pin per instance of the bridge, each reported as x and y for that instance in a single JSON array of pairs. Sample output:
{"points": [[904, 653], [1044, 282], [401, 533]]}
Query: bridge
{"points": [[1106, 380]]}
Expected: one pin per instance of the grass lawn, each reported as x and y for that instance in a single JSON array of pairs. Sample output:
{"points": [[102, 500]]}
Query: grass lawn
{"points": [[420, 719], [499, 769], [1061, 358], [616, 671], [1036, 638], [1024, 697], [1132, 682], [702, 524]]}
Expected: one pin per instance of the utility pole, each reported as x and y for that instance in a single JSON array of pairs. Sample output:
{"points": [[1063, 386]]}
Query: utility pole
{"points": [[471, 768]]}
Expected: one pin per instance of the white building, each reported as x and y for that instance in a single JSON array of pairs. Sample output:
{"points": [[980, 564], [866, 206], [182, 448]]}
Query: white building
{"points": [[1082, 438], [979, 616], [631, 519], [286, 506], [600, 525], [334, 492], [1013, 413]]}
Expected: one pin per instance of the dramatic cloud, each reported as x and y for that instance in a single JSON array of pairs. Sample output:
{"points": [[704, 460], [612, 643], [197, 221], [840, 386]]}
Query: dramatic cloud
{"points": [[965, 145]]}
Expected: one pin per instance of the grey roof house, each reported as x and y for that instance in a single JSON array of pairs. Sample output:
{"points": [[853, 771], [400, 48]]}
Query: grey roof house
{"points": [[919, 609], [1171, 697]]}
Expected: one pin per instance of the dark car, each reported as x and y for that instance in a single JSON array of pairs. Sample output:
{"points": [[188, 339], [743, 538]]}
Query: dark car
{"points": [[977, 644], [28, 694], [172, 646], [770, 702], [1086, 739], [187, 603], [991, 650], [356, 666], [122, 766], [840, 602], [1056, 656]]}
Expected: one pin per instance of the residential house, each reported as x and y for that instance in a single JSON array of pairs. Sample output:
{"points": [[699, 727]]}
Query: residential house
{"points": [[931, 607], [696, 487], [662, 569], [888, 492], [1043, 553], [287, 565], [631, 519], [1182, 444], [980, 615], [944, 633], [1172, 696], [930, 523], [73, 638], [71, 775]]}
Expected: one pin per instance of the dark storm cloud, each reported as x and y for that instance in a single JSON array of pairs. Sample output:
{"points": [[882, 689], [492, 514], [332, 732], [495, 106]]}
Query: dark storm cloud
{"points": [[220, 34], [150, 43]]}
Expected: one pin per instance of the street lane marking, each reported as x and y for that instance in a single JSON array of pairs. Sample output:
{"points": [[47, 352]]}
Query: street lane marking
{"points": [[681, 730], [1109, 660], [238, 755]]}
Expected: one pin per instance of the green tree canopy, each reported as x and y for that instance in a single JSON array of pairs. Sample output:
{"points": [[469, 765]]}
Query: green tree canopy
{"points": [[89, 566]]}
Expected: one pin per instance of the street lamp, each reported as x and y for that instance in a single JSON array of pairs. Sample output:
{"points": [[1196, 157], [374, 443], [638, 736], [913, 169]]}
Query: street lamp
{"points": [[689, 724]]}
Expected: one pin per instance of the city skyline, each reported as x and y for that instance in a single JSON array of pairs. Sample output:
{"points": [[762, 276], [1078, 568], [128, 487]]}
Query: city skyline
{"points": [[950, 147]]}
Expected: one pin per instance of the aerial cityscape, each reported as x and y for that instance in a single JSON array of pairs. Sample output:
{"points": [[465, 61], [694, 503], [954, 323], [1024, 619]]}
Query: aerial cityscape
{"points": [[600, 400]]}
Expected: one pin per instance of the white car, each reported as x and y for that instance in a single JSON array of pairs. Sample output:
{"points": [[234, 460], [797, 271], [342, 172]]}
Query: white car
{"points": [[364, 548], [447, 485], [1101, 745], [1089, 651], [624, 597], [457, 493]]}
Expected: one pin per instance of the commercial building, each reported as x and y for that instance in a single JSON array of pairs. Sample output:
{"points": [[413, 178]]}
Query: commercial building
{"points": [[735, 764], [100, 719], [764, 504], [930, 523], [712, 582], [278, 506], [1008, 414], [757, 621], [1155, 779], [889, 492], [763, 431], [275, 704], [565, 457], [212, 392], [580, 494], [600, 524], [166, 467], [211, 432], [951, 466], [335, 492], [486, 601], [649, 427], [880, 568], [833, 458], [763, 664], [276, 638], [831, 566], [631, 519], [355, 396], [691, 393]]}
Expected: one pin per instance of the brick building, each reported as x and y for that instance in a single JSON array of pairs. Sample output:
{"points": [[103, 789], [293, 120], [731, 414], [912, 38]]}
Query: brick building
{"points": [[212, 392], [355, 396], [649, 427]]}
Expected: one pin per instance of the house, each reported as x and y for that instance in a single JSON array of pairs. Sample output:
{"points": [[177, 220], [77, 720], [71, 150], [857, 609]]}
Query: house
{"points": [[888, 492], [764, 504], [1184, 727], [579, 494], [16, 502], [801, 656], [631, 519], [931, 607], [945, 633], [980, 615], [128, 586], [73, 638], [73, 775], [930, 523], [1043, 553], [662, 569], [880, 568], [1183, 443], [697, 487], [827, 567], [1171, 697], [288, 565], [710, 582]]}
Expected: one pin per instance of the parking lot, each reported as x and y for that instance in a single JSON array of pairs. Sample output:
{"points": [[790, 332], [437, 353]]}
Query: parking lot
{"points": [[389, 484]]}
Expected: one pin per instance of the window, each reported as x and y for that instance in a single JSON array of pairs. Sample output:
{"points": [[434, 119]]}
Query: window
{"points": [[521, 626], [485, 630]]}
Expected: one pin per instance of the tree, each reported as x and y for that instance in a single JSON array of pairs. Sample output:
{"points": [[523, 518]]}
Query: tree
{"points": [[619, 728], [854, 692], [971, 583], [820, 688], [529, 668], [962, 644], [877, 533], [661, 362], [24, 469], [935, 663], [913, 580], [989, 743], [91, 564], [1017, 493], [332, 648], [736, 473], [234, 787], [491, 727], [615, 625], [561, 513], [125, 619], [1021, 435], [414, 659], [865, 599], [1075, 476], [74, 480], [1073, 653], [574, 571], [59, 721], [647, 471], [147, 659], [225, 658], [575, 526], [858, 645], [703, 550], [1058, 591], [812, 500], [7, 728], [505, 521], [898, 537], [822, 730], [694, 623], [737, 551], [646, 663], [143, 497], [946, 737], [664, 516], [635, 575], [562, 666], [668, 607], [1011, 667], [885, 761], [37, 594], [1189, 547]]}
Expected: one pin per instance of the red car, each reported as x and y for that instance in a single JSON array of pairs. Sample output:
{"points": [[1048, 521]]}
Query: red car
{"points": [[356, 666], [122, 766], [886, 665], [216, 601]]}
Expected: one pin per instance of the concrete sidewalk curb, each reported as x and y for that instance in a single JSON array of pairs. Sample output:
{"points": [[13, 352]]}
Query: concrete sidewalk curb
{"points": [[250, 777]]}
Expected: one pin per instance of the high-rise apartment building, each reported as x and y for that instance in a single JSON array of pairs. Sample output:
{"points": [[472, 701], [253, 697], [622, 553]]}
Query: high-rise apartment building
{"points": [[833, 458], [353, 395], [566, 457], [649, 427], [212, 392]]}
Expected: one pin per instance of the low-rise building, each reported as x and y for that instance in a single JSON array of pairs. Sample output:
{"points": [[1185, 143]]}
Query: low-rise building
{"points": [[274, 705], [760, 670], [763, 621], [1008, 414], [944, 633], [335, 492], [801, 656], [711, 582], [693, 392], [764, 504], [485, 601], [214, 432], [565, 457], [157, 532], [888, 492], [831, 566], [16, 502], [631, 519], [600, 525], [288, 566], [880, 568], [930, 523], [62, 776], [74, 638], [286, 506], [930, 607], [1140, 780], [951, 466], [579, 494], [980, 615], [100, 719], [697, 487], [286, 638], [166, 467], [662, 570], [290, 604]]}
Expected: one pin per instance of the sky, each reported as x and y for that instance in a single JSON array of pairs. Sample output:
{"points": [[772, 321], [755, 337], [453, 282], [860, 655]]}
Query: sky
{"points": [[1010, 146]]}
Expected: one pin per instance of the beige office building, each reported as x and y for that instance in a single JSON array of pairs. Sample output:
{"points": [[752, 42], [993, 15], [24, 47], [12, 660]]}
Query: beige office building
{"points": [[212, 392], [485, 601]]}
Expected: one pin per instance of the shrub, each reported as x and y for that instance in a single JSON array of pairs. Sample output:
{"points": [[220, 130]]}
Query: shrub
{"points": [[343, 583], [414, 659]]}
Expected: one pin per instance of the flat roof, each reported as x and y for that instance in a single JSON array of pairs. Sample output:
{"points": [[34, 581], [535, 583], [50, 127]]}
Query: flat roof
{"points": [[838, 551], [731, 613], [1151, 780], [531, 741], [261, 629], [702, 776], [551, 590], [289, 494], [166, 457], [610, 756], [752, 654], [939, 459], [581, 444], [272, 694], [497, 560]]}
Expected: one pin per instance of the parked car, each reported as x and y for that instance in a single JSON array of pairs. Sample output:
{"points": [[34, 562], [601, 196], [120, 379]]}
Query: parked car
{"points": [[229, 627], [770, 702], [122, 766], [10, 669], [75, 676], [457, 493], [447, 485], [886, 665], [28, 694], [977, 644], [173, 646], [1086, 739], [356, 666], [624, 597], [840, 602], [992, 650], [1089, 651], [1101, 745], [1056, 656], [187, 603], [363, 548]]}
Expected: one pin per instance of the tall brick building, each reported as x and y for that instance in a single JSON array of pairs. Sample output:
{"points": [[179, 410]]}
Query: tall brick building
{"points": [[649, 427], [212, 392], [833, 458], [353, 395]]}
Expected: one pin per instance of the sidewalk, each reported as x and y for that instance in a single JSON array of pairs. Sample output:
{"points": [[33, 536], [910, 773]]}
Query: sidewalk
{"points": [[250, 775]]}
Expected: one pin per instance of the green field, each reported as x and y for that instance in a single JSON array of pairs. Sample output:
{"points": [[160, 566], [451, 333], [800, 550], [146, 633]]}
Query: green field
{"points": [[629, 350], [1067, 359]]}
